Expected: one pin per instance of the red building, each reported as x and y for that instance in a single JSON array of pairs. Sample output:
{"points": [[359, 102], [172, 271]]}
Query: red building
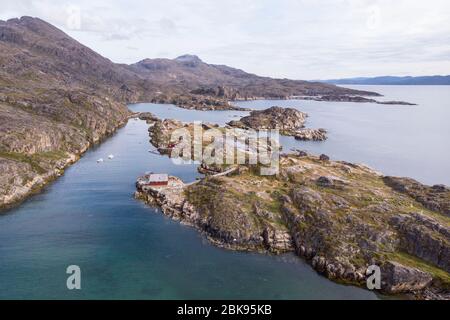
{"points": [[158, 179]]}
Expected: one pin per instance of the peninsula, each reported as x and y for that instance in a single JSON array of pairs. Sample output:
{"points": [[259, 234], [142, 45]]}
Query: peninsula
{"points": [[341, 217], [58, 98]]}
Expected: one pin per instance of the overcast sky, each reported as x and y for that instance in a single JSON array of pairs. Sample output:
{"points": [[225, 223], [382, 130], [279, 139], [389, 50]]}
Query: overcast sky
{"points": [[299, 39]]}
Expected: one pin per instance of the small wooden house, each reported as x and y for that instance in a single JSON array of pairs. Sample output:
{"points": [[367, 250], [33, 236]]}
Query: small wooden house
{"points": [[158, 179]]}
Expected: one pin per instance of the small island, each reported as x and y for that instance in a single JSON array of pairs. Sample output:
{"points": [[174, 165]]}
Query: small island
{"points": [[289, 121], [352, 98]]}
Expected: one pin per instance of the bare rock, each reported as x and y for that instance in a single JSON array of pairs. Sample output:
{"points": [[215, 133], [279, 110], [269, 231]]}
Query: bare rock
{"points": [[325, 182], [311, 134], [148, 116], [287, 120], [397, 278], [425, 238], [436, 198]]}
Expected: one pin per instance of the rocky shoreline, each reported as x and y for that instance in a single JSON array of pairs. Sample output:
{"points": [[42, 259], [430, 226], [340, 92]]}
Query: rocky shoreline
{"points": [[340, 217], [351, 98], [197, 102], [27, 175], [173, 204]]}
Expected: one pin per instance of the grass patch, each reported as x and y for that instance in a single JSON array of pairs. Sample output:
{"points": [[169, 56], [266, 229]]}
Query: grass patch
{"points": [[20, 157], [35, 159], [51, 155]]}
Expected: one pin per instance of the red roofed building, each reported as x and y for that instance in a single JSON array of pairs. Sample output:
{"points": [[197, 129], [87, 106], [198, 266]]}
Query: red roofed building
{"points": [[158, 179]]}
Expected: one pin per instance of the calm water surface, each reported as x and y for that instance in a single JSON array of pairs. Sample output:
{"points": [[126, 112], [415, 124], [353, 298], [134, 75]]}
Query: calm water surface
{"points": [[398, 140], [127, 250]]}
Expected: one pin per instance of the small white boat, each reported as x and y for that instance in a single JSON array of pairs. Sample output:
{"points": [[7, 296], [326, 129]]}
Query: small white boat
{"points": [[100, 160], [111, 156]]}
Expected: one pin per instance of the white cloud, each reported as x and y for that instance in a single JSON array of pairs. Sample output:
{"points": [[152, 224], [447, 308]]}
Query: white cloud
{"points": [[302, 39]]}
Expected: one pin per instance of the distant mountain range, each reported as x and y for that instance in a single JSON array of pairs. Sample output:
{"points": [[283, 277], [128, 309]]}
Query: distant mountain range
{"points": [[392, 80]]}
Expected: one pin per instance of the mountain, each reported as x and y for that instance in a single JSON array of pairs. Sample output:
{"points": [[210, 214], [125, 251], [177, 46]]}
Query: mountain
{"points": [[58, 97], [189, 72], [391, 80]]}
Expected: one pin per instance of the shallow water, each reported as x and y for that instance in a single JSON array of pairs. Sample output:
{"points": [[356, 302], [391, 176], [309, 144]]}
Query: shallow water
{"points": [[127, 250]]}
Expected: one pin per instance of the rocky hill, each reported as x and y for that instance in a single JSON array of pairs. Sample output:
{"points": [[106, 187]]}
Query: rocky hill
{"points": [[190, 72], [288, 121], [58, 97]]}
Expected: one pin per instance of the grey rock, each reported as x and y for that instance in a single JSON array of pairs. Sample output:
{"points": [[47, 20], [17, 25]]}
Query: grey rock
{"points": [[397, 278]]}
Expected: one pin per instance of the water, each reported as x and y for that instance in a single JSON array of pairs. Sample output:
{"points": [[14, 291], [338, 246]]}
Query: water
{"points": [[127, 250], [398, 140]]}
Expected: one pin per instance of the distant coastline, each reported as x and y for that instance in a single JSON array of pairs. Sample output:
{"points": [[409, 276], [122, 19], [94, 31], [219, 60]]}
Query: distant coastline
{"points": [[393, 80]]}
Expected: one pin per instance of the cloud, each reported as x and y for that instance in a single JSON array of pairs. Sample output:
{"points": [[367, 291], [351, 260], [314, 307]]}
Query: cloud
{"points": [[309, 39], [167, 26]]}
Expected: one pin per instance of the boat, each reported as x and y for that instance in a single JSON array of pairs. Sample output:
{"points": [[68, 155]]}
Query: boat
{"points": [[111, 156], [100, 160]]}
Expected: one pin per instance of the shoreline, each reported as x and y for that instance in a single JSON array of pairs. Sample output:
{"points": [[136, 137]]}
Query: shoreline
{"points": [[353, 99], [41, 181], [175, 201]]}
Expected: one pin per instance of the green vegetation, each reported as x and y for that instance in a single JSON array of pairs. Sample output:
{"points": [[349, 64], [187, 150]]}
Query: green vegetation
{"points": [[37, 160], [344, 214], [412, 261]]}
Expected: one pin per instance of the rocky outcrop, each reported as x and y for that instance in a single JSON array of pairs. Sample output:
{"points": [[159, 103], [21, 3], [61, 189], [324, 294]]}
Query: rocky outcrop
{"points": [[399, 103], [398, 278], [423, 237], [288, 120], [340, 217], [340, 98], [21, 178], [164, 137], [224, 92], [148, 117], [210, 169], [436, 198], [161, 133], [311, 134], [236, 229], [197, 102], [353, 98], [35, 148], [344, 231], [169, 198], [57, 98]]}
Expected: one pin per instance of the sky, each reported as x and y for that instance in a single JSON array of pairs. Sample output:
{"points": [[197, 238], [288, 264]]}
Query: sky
{"points": [[296, 39]]}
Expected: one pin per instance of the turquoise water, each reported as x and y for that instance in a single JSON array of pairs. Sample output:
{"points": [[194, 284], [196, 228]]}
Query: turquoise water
{"points": [[127, 250]]}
